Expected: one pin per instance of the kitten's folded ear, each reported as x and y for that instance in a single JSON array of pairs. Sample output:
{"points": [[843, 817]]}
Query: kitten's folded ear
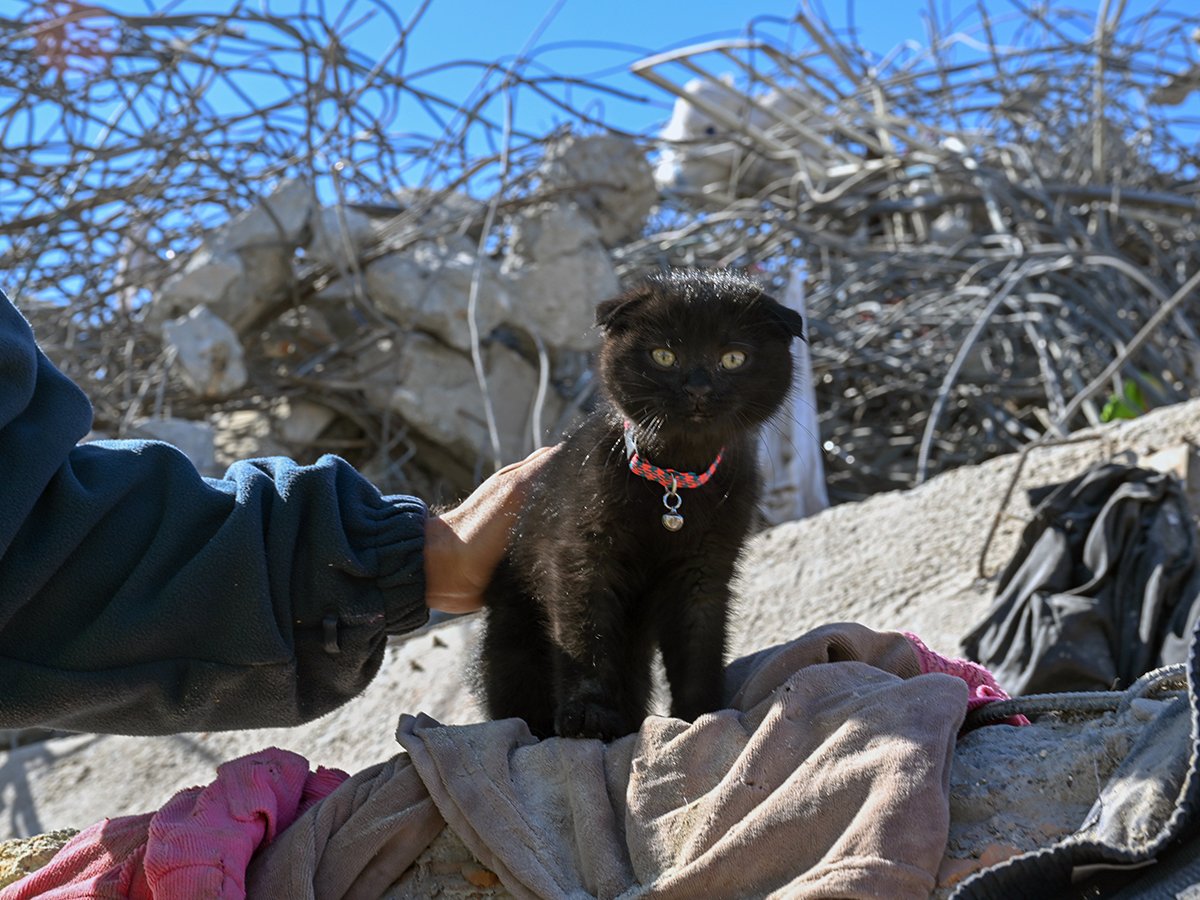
{"points": [[612, 314], [788, 319]]}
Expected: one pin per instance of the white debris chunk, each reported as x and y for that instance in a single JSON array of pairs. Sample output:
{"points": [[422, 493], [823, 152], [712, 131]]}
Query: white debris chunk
{"points": [[608, 178], [558, 270], [434, 389], [207, 353], [429, 288], [245, 265], [196, 440]]}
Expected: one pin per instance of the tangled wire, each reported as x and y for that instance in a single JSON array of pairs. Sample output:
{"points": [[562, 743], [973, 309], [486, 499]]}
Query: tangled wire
{"points": [[995, 243], [128, 138], [997, 230]]}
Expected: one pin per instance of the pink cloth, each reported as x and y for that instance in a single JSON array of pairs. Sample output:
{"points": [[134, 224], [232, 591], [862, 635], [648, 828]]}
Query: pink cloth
{"points": [[198, 845], [981, 683]]}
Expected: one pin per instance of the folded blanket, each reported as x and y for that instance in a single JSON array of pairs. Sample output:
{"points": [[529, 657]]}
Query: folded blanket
{"points": [[353, 844]]}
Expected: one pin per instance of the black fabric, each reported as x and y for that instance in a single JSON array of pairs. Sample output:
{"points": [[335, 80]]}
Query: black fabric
{"points": [[1177, 873], [1104, 586]]}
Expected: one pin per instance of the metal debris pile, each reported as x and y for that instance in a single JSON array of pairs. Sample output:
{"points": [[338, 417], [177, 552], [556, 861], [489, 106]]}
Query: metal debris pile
{"points": [[996, 229], [998, 243], [222, 229]]}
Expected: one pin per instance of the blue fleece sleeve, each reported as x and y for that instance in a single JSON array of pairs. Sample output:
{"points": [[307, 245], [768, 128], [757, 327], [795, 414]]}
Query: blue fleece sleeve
{"points": [[138, 597]]}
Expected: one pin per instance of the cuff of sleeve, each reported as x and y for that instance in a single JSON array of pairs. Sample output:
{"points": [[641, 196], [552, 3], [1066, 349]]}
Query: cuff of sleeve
{"points": [[402, 565]]}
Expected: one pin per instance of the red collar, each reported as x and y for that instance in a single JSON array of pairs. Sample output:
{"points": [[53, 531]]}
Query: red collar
{"points": [[668, 478]]}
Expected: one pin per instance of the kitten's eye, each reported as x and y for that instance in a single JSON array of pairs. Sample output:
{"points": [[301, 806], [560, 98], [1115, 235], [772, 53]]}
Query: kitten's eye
{"points": [[731, 359], [663, 357]]}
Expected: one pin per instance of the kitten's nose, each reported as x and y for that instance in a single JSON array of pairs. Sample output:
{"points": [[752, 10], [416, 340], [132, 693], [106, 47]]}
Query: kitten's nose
{"points": [[698, 385]]}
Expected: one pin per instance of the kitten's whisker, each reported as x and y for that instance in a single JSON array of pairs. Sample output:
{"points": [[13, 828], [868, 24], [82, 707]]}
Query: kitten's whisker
{"points": [[777, 425], [656, 424], [618, 446], [646, 378], [650, 428]]}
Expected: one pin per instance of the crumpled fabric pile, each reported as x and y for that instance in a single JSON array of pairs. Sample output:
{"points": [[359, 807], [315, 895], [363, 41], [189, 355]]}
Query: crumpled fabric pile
{"points": [[809, 784], [1104, 587], [826, 775], [1104, 592], [198, 845], [1141, 838]]}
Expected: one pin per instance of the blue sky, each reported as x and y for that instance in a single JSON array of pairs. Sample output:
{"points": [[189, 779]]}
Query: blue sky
{"points": [[594, 41], [591, 40], [477, 29], [599, 38]]}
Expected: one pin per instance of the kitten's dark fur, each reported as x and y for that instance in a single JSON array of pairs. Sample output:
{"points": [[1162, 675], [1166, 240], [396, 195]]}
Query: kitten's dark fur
{"points": [[593, 579]]}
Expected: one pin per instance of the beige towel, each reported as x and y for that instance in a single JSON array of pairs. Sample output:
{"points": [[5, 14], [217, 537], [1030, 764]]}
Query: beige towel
{"points": [[352, 844], [827, 777]]}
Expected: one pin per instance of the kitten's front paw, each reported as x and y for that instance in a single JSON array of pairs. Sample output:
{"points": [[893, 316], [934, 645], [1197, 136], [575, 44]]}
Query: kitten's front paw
{"points": [[591, 719]]}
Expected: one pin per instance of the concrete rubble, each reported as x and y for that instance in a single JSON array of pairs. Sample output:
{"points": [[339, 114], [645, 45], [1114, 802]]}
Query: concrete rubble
{"points": [[245, 265], [196, 439], [207, 351], [559, 262], [607, 178], [435, 390], [401, 300], [340, 236], [433, 287]]}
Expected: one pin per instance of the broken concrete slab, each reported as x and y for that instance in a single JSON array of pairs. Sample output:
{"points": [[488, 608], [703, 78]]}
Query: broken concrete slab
{"points": [[244, 266], [607, 177], [279, 219], [244, 434], [299, 422], [429, 288], [340, 236], [195, 439], [287, 424], [207, 352], [559, 270], [435, 390]]}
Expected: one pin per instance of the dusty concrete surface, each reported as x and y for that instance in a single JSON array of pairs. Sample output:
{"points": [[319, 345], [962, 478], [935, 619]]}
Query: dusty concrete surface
{"points": [[20, 856], [905, 560], [74, 781], [1019, 789], [908, 560]]}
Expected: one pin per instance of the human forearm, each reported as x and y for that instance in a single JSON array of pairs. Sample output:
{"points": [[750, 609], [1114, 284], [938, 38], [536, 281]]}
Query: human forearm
{"points": [[137, 596]]}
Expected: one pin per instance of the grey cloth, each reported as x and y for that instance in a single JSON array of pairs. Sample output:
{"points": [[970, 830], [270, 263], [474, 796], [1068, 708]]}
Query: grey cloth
{"points": [[1104, 587], [1140, 838], [828, 776], [353, 843]]}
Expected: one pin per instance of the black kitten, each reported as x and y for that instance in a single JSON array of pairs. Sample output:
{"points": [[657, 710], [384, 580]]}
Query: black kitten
{"points": [[631, 535]]}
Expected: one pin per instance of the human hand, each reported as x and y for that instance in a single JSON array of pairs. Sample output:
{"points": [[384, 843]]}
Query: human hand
{"points": [[463, 545]]}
